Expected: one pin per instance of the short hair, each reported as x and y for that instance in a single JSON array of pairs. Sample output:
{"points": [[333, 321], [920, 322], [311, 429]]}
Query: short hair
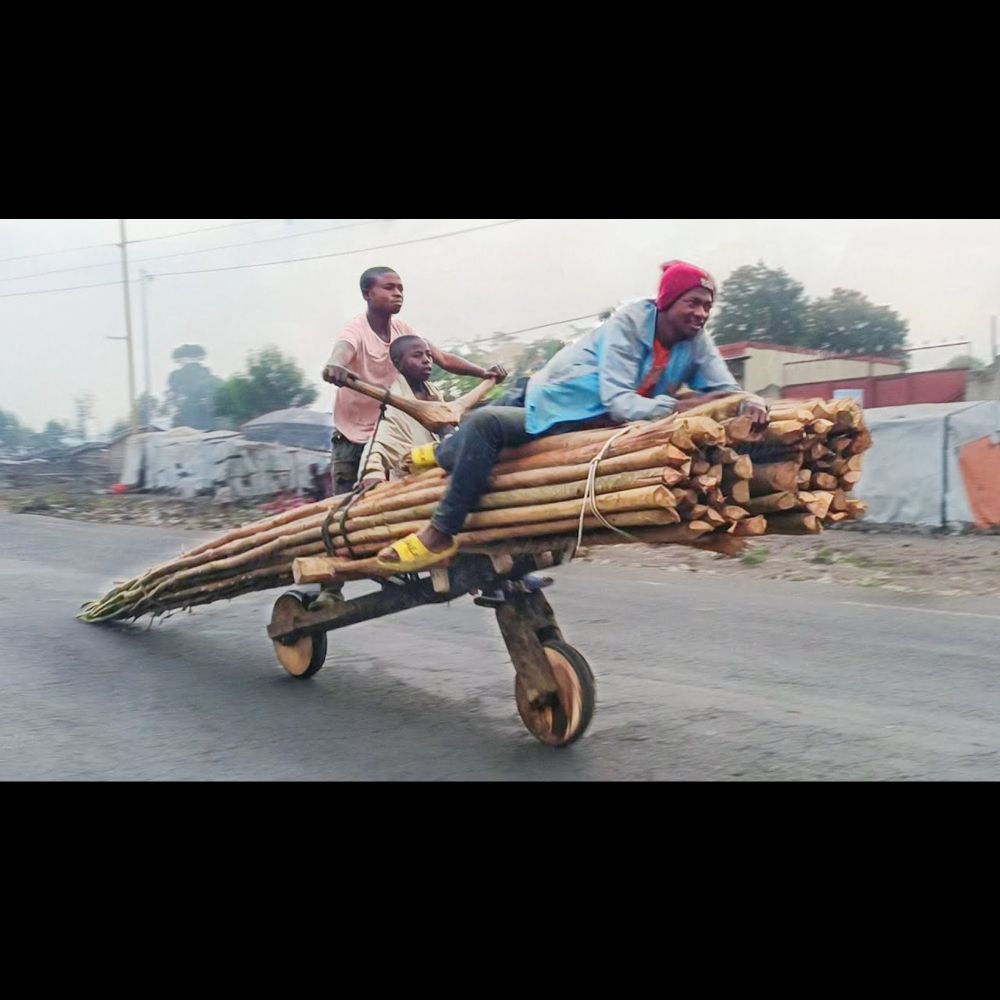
{"points": [[372, 275], [401, 345]]}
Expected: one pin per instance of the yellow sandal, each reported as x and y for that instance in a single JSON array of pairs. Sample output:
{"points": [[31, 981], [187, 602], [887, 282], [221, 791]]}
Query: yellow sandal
{"points": [[414, 556], [422, 457]]}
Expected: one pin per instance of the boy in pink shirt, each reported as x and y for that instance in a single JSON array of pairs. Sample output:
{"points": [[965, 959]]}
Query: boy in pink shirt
{"points": [[363, 348]]}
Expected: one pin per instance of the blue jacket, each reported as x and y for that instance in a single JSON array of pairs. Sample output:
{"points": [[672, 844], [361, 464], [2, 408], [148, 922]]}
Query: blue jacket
{"points": [[598, 376]]}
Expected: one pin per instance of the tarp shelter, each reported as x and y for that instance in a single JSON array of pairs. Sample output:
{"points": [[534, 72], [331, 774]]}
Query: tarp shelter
{"points": [[190, 462], [295, 428], [934, 465]]}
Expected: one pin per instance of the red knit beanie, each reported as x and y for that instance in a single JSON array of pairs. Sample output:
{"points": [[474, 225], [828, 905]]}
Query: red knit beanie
{"points": [[679, 278]]}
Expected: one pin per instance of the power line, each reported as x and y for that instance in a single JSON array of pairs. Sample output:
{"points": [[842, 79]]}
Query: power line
{"points": [[101, 246], [68, 288], [475, 342], [572, 319], [269, 239], [207, 229], [270, 263], [50, 253], [340, 253], [187, 253]]}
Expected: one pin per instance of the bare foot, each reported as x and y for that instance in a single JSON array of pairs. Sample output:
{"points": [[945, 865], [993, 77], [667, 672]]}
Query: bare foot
{"points": [[436, 541]]}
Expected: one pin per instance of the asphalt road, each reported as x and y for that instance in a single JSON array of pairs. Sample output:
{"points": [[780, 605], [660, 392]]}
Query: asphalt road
{"points": [[698, 678]]}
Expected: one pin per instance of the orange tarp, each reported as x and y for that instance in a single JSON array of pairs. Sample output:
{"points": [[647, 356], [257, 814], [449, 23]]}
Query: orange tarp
{"points": [[980, 464]]}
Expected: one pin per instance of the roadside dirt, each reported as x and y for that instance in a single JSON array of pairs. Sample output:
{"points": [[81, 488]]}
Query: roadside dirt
{"points": [[945, 565]]}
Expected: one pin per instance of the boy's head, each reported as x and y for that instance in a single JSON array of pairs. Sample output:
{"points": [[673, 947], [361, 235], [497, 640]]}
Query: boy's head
{"points": [[412, 358], [382, 289]]}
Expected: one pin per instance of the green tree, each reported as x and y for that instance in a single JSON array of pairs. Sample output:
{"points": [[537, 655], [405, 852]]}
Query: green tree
{"points": [[191, 389], [53, 434], [532, 358], [454, 386], [146, 407], [536, 356], [758, 303], [272, 381], [849, 323], [188, 352], [12, 435], [965, 361]]}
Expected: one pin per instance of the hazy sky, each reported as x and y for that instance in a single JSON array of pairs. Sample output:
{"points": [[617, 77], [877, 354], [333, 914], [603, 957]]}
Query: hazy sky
{"points": [[942, 275]]}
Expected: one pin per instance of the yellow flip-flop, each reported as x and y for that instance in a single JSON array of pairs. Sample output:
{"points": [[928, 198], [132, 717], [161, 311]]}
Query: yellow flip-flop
{"points": [[422, 457], [414, 556]]}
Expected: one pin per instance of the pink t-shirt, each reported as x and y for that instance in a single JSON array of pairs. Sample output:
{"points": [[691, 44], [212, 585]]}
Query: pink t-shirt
{"points": [[354, 415]]}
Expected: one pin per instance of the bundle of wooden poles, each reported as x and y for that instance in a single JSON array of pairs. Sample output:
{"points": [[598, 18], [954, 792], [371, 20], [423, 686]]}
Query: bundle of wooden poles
{"points": [[703, 479]]}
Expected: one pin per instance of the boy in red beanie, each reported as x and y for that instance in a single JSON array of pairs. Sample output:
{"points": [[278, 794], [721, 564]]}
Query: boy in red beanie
{"points": [[630, 368]]}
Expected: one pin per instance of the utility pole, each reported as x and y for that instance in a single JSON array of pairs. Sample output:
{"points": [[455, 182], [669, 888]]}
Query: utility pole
{"points": [[143, 278], [128, 329]]}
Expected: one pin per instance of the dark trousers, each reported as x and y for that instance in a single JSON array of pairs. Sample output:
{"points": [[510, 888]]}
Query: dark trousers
{"points": [[470, 454], [346, 459]]}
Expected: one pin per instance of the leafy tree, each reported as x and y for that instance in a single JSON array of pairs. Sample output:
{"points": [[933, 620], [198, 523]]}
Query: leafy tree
{"points": [[53, 434], [758, 303], [965, 361], [16, 437], [531, 358], [848, 323], [191, 390], [536, 356], [272, 381], [145, 408], [188, 352], [12, 435]]}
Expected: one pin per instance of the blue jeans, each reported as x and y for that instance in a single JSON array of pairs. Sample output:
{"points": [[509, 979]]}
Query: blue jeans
{"points": [[470, 454]]}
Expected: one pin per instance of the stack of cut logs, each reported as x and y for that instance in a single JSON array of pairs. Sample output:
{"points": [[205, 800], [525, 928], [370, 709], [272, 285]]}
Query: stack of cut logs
{"points": [[703, 479]]}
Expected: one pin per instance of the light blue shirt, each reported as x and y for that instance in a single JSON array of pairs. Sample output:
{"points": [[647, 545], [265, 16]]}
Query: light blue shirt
{"points": [[598, 376]]}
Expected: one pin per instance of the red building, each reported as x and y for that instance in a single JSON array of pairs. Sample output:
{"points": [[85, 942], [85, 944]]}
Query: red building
{"points": [[947, 385]]}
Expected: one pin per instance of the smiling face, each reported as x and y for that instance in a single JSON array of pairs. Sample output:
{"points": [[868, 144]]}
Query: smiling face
{"points": [[687, 317]]}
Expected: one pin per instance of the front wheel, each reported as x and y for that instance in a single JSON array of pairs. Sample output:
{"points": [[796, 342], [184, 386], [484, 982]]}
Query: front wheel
{"points": [[564, 717], [301, 658]]}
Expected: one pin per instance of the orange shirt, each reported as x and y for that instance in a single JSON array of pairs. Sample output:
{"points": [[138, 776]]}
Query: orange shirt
{"points": [[661, 358]]}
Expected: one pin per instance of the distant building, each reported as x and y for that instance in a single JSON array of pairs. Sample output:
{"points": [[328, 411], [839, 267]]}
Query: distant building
{"points": [[984, 383], [764, 368]]}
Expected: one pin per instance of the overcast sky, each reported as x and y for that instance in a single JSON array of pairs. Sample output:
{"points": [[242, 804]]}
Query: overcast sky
{"points": [[942, 275]]}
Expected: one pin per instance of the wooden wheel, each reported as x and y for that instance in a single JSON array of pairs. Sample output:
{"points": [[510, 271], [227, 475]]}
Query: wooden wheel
{"points": [[566, 717], [303, 657]]}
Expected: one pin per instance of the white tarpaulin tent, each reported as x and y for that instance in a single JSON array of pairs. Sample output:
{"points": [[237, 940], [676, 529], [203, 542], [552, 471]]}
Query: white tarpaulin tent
{"points": [[189, 462], [912, 474]]}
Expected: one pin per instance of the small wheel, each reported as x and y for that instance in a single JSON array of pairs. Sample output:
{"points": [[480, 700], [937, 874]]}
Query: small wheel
{"points": [[301, 657], [566, 717]]}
